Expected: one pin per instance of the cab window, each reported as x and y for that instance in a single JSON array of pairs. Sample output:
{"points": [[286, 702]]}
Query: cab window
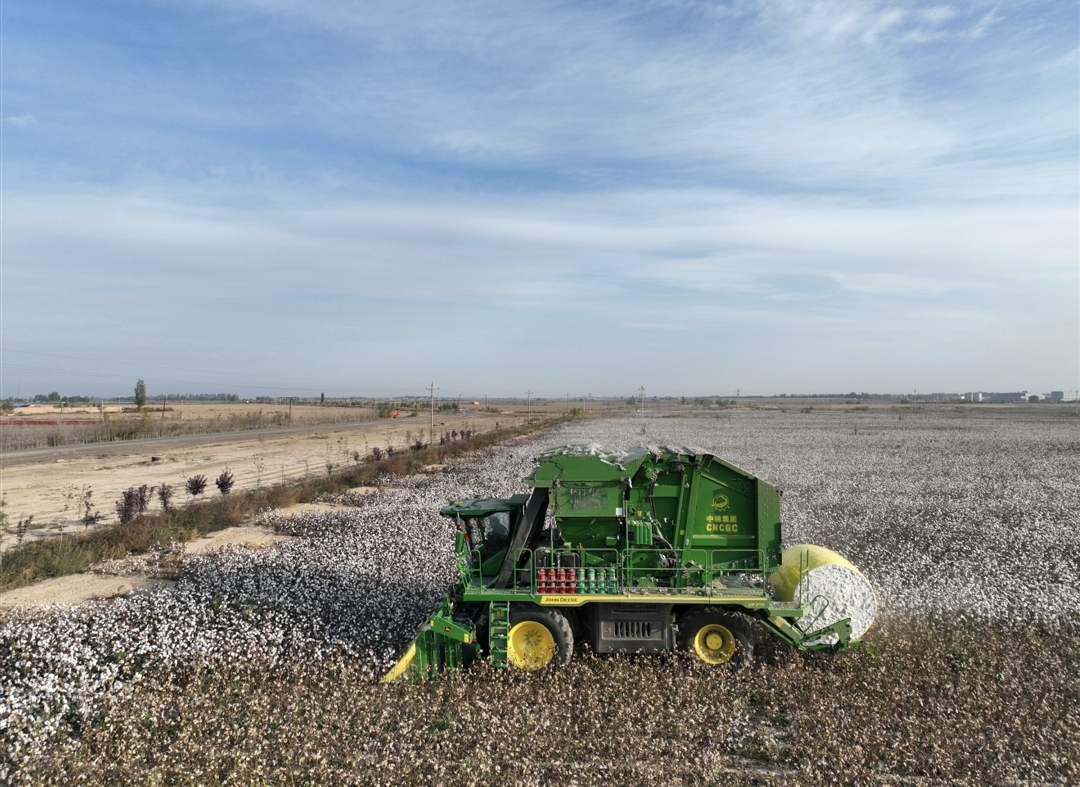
{"points": [[489, 533]]}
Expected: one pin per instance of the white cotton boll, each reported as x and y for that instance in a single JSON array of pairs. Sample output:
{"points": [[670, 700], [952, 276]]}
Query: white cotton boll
{"points": [[834, 593], [831, 587]]}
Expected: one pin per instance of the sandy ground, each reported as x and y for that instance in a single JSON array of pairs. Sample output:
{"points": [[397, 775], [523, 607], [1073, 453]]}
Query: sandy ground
{"points": [[79, 588], [187, 411], [50, 488], [300, 414], [75, 589]]}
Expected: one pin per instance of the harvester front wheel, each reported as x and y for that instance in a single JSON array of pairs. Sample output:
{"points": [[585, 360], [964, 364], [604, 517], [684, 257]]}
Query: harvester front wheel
{"points": [[717, 636], [538, 637]]}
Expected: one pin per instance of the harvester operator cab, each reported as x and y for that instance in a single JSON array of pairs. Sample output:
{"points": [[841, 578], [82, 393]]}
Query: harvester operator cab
{"points": [[488, 526], [490, 534]]}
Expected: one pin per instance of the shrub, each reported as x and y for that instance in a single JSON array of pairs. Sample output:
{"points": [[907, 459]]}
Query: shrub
{"points": [[22, 527], [196, 485], [225, 481], [133, 503], [90, 516], [165, 495]]}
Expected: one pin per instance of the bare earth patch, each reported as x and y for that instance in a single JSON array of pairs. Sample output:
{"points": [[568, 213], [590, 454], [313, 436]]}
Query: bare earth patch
{"points": [[49, 488], [77, 589], [244, 535], [136, 573]]}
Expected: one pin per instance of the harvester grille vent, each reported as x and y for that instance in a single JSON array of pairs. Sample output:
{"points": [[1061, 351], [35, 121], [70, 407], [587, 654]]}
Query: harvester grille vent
{"points": [[633, 629]]}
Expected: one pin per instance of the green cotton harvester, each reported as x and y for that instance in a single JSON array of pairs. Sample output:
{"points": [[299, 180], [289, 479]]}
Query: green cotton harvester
{"points": [[646, 551]]}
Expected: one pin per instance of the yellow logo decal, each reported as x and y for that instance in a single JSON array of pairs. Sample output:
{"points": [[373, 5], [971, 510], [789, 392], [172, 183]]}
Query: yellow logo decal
{"points": [[720, 502], [554, 601]]}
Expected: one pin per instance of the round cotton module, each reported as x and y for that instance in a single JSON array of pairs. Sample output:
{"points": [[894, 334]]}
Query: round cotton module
{"points": [[833, 588]]}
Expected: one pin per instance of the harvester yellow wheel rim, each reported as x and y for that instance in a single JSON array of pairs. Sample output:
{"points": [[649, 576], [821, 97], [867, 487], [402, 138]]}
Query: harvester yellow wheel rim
{"points": [[530, 645], [714, 644]]}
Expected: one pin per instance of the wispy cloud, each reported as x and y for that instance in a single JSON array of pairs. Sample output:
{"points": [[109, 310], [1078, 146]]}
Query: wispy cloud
{"points": [[264, 170], [25, 119]]}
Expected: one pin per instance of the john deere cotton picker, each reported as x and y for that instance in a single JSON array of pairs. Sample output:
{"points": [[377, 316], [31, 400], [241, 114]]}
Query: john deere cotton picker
{"points": [[647, 551]]}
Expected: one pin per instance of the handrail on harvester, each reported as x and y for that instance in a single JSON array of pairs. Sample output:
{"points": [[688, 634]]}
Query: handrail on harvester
{"points": [[721, 569]]}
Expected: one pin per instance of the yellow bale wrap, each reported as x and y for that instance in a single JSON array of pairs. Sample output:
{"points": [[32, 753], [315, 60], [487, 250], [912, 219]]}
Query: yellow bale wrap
{"points": [[785, 582], [837, 579]]}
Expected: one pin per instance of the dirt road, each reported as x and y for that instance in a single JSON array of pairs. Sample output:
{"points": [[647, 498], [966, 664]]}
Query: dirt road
{"points": [[161, 444], [49, 484]]}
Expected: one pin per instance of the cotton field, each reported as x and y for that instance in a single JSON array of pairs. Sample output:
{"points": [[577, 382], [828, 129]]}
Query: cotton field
{"points": [[944, 513], [968, 526]]}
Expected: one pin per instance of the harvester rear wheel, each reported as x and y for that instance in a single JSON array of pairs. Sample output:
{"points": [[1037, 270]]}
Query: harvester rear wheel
{"points": [[538, 638], [716, 636]]}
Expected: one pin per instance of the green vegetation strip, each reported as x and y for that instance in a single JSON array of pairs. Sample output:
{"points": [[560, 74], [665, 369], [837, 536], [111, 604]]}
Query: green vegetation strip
{"points": [[71, 554]]}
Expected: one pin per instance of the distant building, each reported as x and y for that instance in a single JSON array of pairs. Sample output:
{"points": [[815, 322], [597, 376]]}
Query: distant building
{"points": [[1010, 396]]}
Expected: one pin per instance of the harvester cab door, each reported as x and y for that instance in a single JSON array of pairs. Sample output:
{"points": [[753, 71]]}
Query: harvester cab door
{"points": [[490, 535]]}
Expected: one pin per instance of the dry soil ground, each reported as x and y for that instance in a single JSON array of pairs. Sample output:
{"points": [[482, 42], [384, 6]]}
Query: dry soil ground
{"points": [[50, 486], [111, 581], [120, 577]]}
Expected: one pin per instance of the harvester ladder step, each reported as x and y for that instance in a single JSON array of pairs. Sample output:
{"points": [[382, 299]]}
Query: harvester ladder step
{"points": [[498, 631]]}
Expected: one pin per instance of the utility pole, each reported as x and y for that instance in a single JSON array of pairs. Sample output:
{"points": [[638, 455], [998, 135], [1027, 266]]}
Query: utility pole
{"points": [[737, 392], [529, 394], [641, 401], [431, 429], [568, 403]]}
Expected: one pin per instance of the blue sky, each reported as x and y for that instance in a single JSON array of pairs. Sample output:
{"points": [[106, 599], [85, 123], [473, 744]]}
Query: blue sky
{"points": [[265, 197]]}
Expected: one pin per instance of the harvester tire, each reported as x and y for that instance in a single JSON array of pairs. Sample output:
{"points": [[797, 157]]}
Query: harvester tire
{"points": [[538, 638], [716, 636]]}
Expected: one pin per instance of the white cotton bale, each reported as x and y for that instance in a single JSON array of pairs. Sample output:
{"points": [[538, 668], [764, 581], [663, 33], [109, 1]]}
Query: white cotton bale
{"points": [[833, 587]]}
